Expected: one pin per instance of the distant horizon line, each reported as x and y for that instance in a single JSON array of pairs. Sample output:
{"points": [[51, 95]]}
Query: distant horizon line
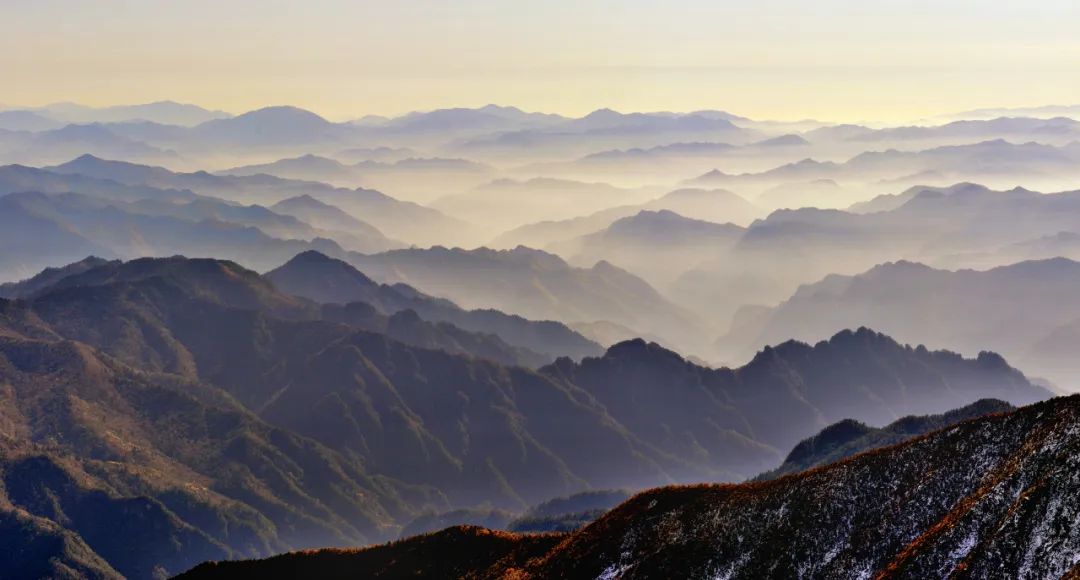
{"points": [[954, 115]]}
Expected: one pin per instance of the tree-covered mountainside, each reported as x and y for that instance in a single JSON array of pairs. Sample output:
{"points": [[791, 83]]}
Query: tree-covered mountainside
{"points": [[989, 498], [152, 470]]}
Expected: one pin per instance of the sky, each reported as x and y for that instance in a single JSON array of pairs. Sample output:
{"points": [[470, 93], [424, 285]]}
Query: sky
{"points": [[779, 59]]}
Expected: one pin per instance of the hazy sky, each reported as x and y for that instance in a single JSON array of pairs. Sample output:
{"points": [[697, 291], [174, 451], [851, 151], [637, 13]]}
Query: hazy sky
{"points": [[829, 59]]}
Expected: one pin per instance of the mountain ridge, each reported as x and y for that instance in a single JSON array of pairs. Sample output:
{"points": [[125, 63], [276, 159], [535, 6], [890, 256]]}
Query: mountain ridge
{"points": [[941, 516]]}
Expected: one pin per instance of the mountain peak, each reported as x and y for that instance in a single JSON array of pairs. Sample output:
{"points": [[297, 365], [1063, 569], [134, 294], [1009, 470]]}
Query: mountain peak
{"points": [[316, 258], [87, 158], [270, 126], [306, 198], [282, 112], [324, 279], [842, 340], [312, 257], [639, 351], [220, 281], [899, 266], [121, 171], [861, 335], [630, 346], [603, 113]]}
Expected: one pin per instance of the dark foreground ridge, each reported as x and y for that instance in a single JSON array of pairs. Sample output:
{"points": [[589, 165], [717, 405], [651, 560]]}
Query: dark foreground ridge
{"points": [[995, 497], [454, 552]]}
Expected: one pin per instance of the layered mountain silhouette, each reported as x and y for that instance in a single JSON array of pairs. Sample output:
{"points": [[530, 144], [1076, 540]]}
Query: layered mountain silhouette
{"points": [[327, 217], [23, 179], [208, 415], [673, 161], [1024, 127], [295, 333], [379, 153], [605, 129], [269, 127], [26, 121], [59, 144], [510, 203], [461, 121], [114, 219], [761, 403], [410, 177], [659, 246], [254, 293], [306, 167], [402, 220], [677, 150], [163, 112], [821, 193], [956, 227], [996, 161], [911, 511], [317, 277], [40, 230], [1015, 125], [716, 205], [1039, 112], [1013, 309], [537, 285]]}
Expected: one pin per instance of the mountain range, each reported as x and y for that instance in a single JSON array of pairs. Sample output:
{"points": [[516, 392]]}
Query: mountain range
{"points": [[409, 177], [715, 205], [605, 129], [269, 127], [1042, 112], [528, 345], [195, 135], [322, 279], [536, 285], [41, 230], [914, 510], [997, 162], [163, 112], [657, 245], [402, 220], [27, 121], [673, 161], [957, 227], [1016, 310], [193, 399], [56, 145], [507, 203], [820, 193]]}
